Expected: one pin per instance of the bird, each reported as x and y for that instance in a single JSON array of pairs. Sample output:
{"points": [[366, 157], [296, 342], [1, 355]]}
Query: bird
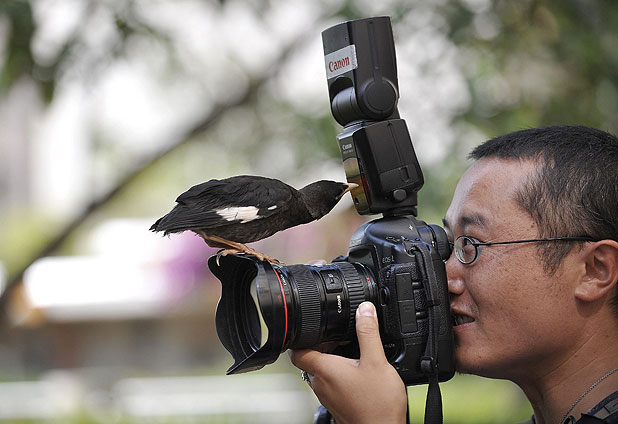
{"points": [[230, 212]]}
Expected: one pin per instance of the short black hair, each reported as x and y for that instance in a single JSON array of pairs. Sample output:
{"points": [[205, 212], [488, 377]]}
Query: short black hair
{"points": [[575, 190]]}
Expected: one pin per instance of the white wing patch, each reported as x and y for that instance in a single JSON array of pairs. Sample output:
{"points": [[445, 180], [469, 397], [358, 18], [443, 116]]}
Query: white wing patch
{"points": [[272, 208], [243, 213]]}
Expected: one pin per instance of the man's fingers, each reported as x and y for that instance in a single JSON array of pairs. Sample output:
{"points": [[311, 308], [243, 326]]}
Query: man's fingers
{"points": [[315, 362], [325, 365], [305, 359], [368, 333]]}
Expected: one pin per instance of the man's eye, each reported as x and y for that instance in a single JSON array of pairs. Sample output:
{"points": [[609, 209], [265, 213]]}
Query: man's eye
{"points": [[467, 244]]}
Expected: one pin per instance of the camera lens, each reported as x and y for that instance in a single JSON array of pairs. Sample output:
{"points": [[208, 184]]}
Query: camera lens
{"points": [[266, 309], [326, 298]]}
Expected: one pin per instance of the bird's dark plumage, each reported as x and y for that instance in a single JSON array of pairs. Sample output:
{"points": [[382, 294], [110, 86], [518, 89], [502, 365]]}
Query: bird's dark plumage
{"points": [[245, 208]]}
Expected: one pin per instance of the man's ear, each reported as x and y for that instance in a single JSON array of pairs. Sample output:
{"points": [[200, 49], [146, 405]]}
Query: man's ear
{"points": [[601, 270]]}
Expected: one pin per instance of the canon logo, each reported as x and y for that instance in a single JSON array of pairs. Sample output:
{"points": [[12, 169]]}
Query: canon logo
{"points": [[340, 61], [338, 64]]}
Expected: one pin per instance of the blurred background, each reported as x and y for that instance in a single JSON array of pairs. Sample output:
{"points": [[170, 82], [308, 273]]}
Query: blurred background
{"points": [[111, 108]]}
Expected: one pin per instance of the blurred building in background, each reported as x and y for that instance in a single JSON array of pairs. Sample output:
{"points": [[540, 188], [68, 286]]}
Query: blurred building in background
{"points": [[137, 299], [126, 332]]}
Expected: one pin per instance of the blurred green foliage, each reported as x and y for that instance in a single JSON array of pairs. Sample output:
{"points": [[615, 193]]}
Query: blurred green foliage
{"points": [[534, 63], [466, 400], [18, 60], [526, 63]]}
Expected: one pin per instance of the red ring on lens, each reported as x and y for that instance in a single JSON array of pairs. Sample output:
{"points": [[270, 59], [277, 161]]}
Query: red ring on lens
{"points": [[285, 309]]}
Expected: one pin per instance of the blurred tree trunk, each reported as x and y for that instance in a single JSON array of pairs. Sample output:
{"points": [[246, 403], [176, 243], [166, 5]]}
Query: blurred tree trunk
{"points": [[199, 128]]}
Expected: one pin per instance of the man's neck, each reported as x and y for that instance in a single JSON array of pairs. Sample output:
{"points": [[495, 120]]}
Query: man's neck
{"points": [[575, 381]]}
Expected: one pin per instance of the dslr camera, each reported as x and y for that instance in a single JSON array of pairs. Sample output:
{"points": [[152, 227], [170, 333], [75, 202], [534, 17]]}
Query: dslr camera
{"points": [[396, 261]]}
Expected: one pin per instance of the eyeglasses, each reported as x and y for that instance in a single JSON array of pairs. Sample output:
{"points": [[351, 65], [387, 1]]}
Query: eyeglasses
{"points": [[468, 249]]}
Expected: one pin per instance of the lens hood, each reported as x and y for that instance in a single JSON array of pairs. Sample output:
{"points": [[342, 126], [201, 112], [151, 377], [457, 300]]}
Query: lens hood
{"points": [[237, 318]]}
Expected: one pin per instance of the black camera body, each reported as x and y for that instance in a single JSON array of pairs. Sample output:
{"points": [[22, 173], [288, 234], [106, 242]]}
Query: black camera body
{"points": [[406, 256], [396, 262], [404, 253]]}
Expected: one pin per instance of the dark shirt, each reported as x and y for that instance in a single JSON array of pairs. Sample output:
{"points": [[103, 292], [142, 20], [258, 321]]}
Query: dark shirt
{"points": [[604, 412]]}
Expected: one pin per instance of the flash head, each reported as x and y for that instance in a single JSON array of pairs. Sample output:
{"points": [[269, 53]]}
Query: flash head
{"points": [[361, 70], [375, 144]]}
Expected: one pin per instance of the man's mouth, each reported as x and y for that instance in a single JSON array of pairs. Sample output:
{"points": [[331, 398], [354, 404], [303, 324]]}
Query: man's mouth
{"points": [[459, 319]]}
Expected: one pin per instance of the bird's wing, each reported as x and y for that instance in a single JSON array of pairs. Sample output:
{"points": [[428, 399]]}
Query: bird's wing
{"points": [[233, 200]]}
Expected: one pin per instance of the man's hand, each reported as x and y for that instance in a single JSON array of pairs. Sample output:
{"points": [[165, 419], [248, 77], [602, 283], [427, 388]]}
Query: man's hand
{"points": [[357, 391]]}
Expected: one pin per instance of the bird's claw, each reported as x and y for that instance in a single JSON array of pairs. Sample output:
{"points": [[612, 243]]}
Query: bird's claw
{"points": [[249, 252], [222, 252]]}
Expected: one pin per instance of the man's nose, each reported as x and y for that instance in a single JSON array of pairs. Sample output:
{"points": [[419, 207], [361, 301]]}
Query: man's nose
{"points": [[454, 274]]}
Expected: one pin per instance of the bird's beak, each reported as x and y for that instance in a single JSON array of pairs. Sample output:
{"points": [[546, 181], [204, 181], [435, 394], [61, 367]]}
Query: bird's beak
{"points": [[351, 186]]}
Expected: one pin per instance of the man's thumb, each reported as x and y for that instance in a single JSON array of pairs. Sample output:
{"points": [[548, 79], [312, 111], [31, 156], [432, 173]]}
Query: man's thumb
{"points": [[368, 333]]}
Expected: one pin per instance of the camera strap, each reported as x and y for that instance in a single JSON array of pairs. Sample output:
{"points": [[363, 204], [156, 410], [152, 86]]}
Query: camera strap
{"points": [[429, 362]]}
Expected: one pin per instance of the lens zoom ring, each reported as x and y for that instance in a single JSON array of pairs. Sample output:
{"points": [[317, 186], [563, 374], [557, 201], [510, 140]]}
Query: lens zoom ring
{"points": [[310, 307], [356, 294]]}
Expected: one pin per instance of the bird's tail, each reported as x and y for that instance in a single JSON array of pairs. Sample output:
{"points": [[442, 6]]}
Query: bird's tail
{"points": [[168, 224], [155, 227], [173, 222]]}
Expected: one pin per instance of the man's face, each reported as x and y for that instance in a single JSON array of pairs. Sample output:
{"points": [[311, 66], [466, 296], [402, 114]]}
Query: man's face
{"points": [[517, 314]]}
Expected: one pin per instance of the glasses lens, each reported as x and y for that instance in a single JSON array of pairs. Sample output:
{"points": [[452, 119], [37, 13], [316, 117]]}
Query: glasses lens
{"points": [[465, 249]]}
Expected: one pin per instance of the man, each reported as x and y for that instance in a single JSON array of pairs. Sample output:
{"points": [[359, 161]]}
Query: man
{"points": [[540, 310]]}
